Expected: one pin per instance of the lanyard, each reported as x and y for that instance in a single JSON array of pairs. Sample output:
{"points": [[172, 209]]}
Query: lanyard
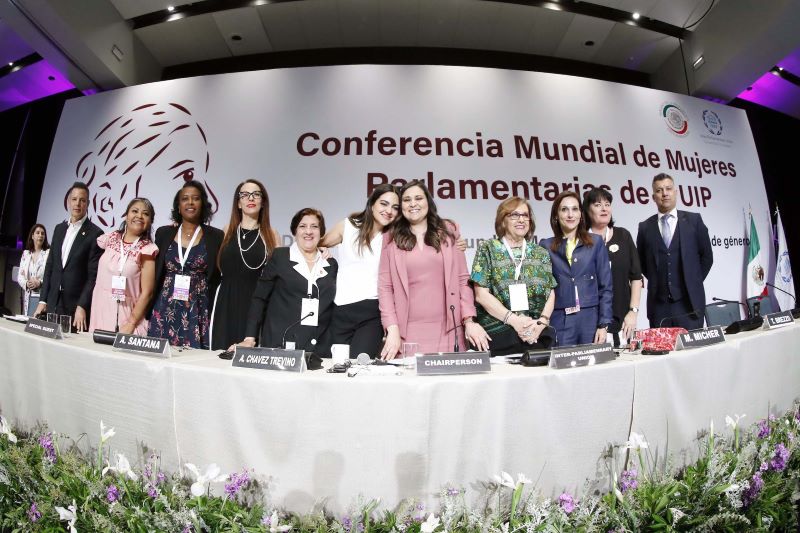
{"points": [[517, 266], [123, 255], [183, 258]]}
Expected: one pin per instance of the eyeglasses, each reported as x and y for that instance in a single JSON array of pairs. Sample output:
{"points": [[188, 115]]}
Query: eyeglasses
{"points": [[518, 216], [255, 195]]}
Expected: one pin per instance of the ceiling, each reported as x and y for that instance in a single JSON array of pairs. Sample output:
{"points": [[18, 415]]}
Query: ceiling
{"points": [[105, 44]]}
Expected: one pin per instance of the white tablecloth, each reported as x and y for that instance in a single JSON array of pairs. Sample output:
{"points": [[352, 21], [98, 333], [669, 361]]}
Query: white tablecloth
{"points": [[327, 437]]}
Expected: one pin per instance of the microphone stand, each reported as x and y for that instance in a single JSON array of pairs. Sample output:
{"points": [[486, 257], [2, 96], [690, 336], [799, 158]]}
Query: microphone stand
{"points": [[694, 312], [293, 324], [116, 321], [796, 310], [455, 328]]}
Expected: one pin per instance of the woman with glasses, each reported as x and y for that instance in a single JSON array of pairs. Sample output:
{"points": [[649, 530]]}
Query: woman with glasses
{"points": [[249, 241], [513, 281]]}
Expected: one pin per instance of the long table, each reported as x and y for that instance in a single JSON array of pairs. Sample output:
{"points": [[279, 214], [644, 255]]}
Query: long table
{"points": [[326, 438]]}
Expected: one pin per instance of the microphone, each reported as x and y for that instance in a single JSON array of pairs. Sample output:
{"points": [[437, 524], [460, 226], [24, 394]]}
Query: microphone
{"points": [[455, 328], [723, 300], [293, 324], [546, 327], [363, 359], [691, 314], [783, 291]]}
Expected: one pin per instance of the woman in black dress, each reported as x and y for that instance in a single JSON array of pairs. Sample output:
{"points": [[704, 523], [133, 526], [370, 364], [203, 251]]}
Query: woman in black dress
{"points": [[248, 243], [626, 271]]}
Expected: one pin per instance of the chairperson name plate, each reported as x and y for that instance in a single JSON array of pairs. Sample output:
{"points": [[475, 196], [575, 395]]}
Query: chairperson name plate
{"points": [[270, 359], [143, 345], [697, 338], [51, 330], [778, 320], [453, 363], [581, 355]]}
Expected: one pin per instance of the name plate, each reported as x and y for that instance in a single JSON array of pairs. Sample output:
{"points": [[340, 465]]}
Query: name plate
{"points": [[51, 330], [778, 320], [581, 355], [453, 363], [270, 359], [698, 338], [144, 345]]}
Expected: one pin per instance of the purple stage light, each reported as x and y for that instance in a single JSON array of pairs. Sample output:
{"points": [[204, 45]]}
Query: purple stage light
{"points": [[31, 83]]}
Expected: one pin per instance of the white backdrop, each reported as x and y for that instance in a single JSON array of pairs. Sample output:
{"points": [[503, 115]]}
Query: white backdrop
{"points": [[275, 125]]}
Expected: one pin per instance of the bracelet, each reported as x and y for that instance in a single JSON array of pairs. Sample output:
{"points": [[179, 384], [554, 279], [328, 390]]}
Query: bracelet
{"points": [[508, 315], [545, 317]]}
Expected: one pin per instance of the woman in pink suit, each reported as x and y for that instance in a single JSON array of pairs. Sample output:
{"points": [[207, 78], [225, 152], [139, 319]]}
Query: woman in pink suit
{"points": [[423, 288]]}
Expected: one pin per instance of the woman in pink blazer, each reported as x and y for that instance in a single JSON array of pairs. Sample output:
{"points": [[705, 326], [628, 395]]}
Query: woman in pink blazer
{"points": [[423, 288]]}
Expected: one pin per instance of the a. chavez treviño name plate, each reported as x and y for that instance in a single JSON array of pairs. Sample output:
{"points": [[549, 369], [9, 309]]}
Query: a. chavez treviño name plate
{"points": [[453, 363], [270, 359]]}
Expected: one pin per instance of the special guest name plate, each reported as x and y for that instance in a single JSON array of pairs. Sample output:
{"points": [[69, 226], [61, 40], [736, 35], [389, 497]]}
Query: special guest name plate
{"points": [[453, 363], [51, 330], [270, 359]]}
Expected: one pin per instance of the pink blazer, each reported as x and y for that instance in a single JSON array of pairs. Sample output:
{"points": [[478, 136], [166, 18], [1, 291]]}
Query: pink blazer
{"points": [[393, 296]]}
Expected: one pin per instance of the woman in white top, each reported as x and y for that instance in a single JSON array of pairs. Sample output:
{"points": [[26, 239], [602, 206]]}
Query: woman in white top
{"points": [[356, 318], [31, 267]]}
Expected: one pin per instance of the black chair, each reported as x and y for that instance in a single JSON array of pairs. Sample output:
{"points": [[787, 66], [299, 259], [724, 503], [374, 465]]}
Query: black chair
{"points": [[722, 314], [765, 305]]}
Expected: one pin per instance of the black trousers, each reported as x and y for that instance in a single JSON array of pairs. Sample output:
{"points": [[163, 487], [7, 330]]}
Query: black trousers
{"points": [[359, 325], [676, 314]]}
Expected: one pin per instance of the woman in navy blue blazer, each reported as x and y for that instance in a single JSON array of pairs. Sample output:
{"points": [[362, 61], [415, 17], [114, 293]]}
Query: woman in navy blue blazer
{"points": [[581, 266]]}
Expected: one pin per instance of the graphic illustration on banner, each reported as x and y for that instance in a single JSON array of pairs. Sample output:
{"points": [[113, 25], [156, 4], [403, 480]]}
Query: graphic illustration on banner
{"points": [[675, 118], [148, 149]]}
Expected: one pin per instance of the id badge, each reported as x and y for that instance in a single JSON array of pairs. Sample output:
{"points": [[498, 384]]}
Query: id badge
{"points": [[118, 288], [573, 310], [307, 306], [518, 297], [182, 285]]}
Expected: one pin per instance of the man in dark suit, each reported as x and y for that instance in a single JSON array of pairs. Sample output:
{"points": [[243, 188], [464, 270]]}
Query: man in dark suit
{"points": [[71, 267], [676, 256]]}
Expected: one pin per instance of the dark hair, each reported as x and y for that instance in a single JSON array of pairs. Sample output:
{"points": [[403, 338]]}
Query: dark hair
{"points": [[205, 211], [308, 211], [29, 243], [594, 195], [149, 205], [364, 220], [264, 226], [437, 232], [558, 234], [662, 176], [507, 207], [78, 185]]}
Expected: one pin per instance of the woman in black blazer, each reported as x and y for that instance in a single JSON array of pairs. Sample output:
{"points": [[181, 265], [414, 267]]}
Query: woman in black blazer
{"points": [[186, 271], [295, 281]]}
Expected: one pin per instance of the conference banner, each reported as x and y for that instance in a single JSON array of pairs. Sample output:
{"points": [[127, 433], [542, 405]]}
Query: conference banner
{"points": [[325, 136]]}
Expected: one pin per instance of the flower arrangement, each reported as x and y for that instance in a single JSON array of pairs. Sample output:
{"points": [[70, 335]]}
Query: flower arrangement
{"points": [[742, 481]]}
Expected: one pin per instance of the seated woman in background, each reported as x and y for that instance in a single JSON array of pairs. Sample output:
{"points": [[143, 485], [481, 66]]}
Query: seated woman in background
{"points": [[31, 267], [582, 311], [186, 270], [249, 241], [513, 281], [126, 273], [423, 284], [295, 283], [626, 272], [356, 318]]}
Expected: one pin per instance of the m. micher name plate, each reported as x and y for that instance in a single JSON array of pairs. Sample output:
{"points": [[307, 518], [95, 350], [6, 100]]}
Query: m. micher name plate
{"points": [[698, 338], [143, 345], [581, 355], [778, 320], [270, 359], [453, 363], [51, 330]]}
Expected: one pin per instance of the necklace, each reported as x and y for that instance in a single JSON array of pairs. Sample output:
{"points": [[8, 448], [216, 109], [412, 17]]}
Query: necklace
{"points": [[243, 250]]}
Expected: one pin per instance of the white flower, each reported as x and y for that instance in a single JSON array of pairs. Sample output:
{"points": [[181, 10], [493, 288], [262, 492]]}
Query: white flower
{"points": [[429, 525], [274, 527], [733, 487], [70, 514], [505, 480], [123, 468], [677, 514], [730, 422], [613, 248], [5, 429], [522, 480], [636, 442], [105, 434], [211, 475]]}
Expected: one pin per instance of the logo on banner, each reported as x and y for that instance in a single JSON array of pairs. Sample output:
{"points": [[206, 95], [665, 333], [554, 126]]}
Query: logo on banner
{"points": [[712, 122], [785, 267], [675, 118], [757, 273]]}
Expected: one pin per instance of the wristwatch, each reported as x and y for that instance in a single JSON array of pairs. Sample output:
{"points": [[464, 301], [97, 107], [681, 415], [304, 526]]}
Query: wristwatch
{"points": [[635, 309], [602, 326]]}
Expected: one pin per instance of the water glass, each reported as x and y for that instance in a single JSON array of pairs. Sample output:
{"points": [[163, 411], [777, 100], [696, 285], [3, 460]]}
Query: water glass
{"points": [[410, 350], [66, 323], [52, 318]]}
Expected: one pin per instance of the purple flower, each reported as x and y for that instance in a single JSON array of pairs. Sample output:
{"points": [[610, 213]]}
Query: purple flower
{"points": [[112, 493], [235, 483], [266, 519], [750, 495], [566, 502], [627, 480], [763, 428], [160, 477], [148, 472], [453, 492], [764, 466], [152, 491], [46, 442], [347, 523], [779, 458], [187, 528], [33, 513]]}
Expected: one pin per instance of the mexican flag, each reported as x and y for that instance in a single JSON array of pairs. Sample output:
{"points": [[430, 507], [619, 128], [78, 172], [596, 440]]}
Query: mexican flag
{"points": [[755, 273]]}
